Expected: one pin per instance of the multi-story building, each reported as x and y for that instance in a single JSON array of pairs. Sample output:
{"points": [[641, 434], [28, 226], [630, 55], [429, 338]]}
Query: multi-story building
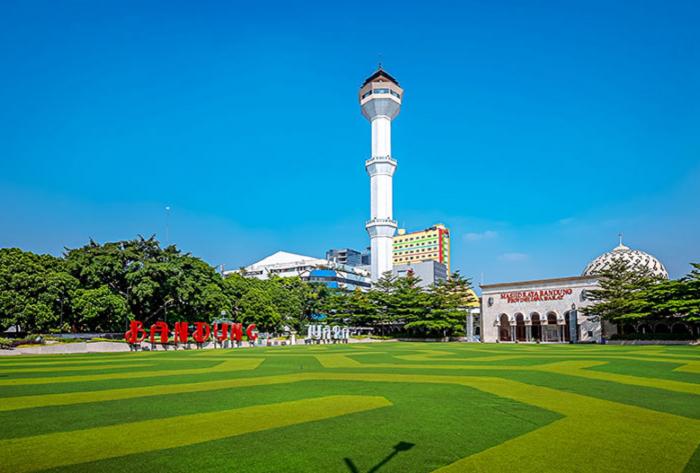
{"points": [[431, 244], [308, 268], [429, 272], [346, 256]]}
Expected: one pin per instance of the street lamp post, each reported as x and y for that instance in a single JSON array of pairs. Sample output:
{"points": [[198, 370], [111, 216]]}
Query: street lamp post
{"points": [[60, 299], [167, 225]]}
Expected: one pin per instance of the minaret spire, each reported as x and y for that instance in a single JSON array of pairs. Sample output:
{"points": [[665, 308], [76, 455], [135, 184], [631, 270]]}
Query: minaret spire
{"points": [[380, 99]]}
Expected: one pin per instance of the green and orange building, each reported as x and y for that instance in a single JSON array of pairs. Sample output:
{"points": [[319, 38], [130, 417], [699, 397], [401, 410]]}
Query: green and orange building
{"points": [[430, 244]]}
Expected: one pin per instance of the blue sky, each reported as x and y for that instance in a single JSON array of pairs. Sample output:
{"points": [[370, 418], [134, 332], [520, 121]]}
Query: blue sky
{"points": [[537, 131]]}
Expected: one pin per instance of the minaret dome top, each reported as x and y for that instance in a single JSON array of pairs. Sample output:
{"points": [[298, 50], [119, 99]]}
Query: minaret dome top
{"points": [[380, 76], [380, 95]]}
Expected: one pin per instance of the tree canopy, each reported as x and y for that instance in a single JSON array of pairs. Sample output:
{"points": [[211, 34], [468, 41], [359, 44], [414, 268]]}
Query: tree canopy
{"points": [[629, 294]]}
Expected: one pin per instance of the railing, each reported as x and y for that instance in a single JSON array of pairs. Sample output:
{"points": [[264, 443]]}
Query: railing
{"points": [[382, 221], [380, 159]]}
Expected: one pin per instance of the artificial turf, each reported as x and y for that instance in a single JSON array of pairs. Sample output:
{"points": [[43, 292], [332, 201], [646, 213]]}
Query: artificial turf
{"points": [[404, 407]]}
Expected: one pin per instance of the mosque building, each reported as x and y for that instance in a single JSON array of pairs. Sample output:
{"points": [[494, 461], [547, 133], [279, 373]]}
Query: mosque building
{"points": [[543, 310]]}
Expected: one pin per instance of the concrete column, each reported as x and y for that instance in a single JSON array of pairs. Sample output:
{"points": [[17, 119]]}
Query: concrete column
{"points": [[381, 136], [470, 326]]}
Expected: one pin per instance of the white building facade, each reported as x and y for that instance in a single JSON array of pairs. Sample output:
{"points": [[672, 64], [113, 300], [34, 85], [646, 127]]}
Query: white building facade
{"points": [[380, 98], [308, 268], [538, 311], [549, 310]]}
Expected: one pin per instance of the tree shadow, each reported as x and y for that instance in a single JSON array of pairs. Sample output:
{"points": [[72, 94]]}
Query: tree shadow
{"points": [[396, 449]]}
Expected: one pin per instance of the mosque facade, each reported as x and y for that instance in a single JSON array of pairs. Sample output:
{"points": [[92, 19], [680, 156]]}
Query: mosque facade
{"points": [[549, 310]]}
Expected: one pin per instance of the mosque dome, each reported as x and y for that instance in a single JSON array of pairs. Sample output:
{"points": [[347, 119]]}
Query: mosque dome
{"points": [[634, 258]]}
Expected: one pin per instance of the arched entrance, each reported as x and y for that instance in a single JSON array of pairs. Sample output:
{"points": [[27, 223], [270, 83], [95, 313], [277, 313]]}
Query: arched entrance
{"points": [[551, 331], [644, 329], [520, 327], [628, 329], [680, 329], [504, 328], [536, 326], [661, 328]]}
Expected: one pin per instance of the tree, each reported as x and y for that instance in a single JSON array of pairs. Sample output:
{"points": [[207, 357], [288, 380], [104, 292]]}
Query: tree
{"points": [[155, 282], [381, 297], [99, 310], [674, 298], [408, 303], [288, 296], [256, 307], [450, 300], [618, 297], [35, 291]]}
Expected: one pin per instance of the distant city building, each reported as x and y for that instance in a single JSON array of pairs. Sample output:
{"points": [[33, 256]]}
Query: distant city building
{"points": [[367, 257], [430, 272], [431, 244], [309, 269], [346, 256], [339, 279]]}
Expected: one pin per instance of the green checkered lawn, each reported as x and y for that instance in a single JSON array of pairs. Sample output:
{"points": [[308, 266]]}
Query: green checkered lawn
{"points": [[404, 407]]}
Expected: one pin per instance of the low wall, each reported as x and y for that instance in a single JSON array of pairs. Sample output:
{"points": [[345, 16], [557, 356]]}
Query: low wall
{"points": [[652, 342], [116, 347]]}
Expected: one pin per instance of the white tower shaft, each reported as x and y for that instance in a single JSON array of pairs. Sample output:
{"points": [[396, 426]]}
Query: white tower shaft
{"points": [[380, 98]]}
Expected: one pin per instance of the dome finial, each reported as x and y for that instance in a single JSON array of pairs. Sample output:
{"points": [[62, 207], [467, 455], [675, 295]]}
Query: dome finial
{"points": [[621, 246]]}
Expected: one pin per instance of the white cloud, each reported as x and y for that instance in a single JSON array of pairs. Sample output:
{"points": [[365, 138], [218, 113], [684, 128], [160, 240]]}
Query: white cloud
{"points": [[514, 257], [486, 235]]}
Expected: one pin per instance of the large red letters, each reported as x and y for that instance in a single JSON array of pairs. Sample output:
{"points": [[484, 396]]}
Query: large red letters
{"points": [[236, 332], [136, 333], [201, 332], [160, 332], [252, 332], [181, 332], [223, 335], [161, 327]]}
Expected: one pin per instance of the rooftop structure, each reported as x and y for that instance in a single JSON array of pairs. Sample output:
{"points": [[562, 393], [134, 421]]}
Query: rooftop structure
{"points": [[633, 258], [308, 268], [431, 244]]}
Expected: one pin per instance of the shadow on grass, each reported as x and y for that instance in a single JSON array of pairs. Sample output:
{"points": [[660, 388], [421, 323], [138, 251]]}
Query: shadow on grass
{"points": [[398, 448]]}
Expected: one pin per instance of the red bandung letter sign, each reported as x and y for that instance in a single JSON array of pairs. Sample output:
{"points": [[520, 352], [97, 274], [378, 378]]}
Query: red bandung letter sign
{"points": [[201, 332], [252, 332], [161, 327], [236, 332], [181, 332], [223, 335], [136, 333]]}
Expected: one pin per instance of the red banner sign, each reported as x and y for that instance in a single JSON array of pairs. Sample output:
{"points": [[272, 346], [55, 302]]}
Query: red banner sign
{"points": [[160, 332], [534, 296]]}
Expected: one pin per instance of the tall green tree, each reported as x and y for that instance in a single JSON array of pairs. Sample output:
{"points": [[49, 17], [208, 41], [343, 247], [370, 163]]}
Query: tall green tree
{"points": [[618, 297], [381, 297], [679, 299], [156, 283], [35, 291], [257, 307], [408, 303], [99, 310], [449, 301]]}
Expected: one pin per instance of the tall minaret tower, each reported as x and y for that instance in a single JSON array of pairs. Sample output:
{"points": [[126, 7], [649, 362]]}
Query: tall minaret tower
{"points": [[380, 99]]}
